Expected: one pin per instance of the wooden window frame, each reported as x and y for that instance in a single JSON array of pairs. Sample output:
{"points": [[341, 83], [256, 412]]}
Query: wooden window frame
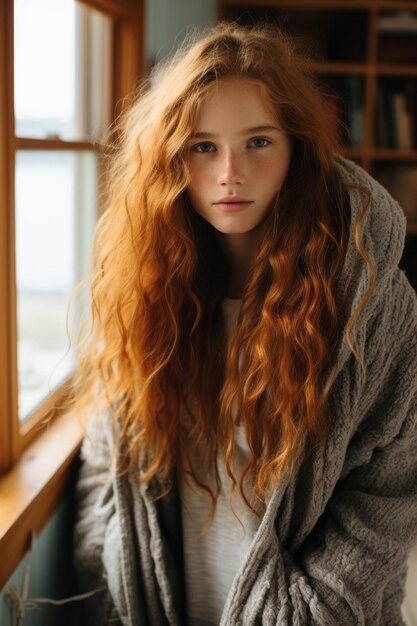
{"points": [[28, 499], [128, 59]]}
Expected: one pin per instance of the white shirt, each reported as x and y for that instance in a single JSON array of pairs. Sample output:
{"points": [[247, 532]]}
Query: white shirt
{"points": [[211, 562]]}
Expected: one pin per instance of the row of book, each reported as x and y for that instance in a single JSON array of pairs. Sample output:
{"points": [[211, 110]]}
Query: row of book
{"points": [[397, 42], [396, 114]]}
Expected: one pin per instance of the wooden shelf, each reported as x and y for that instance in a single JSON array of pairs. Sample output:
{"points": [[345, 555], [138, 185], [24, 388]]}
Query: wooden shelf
{"points": [[32, 489], [337, 68], [391, 154], [394, 5], [393, 70], [412, 228], [29, 143], [352, 153], [334, 5], [362, 69]]}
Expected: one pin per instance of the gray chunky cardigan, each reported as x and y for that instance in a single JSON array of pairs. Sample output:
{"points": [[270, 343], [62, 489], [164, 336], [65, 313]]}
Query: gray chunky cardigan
{"points": [[332, 546]]}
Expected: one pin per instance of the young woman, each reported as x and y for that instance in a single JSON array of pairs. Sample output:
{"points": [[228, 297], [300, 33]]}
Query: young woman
{"points": [[251, 369]]}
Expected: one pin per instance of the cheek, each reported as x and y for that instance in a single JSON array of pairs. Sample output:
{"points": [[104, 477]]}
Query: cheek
{"points": [[272, 174], [195, 189], [196, 175]]}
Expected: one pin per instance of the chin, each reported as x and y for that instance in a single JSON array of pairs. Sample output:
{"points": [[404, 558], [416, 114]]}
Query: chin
{"points": [[233, 231]]}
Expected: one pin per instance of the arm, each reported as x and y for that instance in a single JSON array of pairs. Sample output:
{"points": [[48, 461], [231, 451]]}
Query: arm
{"points": [[95, 506], [355, 558], [362, 540]]}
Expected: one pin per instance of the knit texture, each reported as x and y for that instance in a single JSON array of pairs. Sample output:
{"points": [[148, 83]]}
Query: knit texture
{"points": [[332, 546]]}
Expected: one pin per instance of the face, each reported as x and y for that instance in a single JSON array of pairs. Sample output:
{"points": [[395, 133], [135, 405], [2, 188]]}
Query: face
{"points": [[239, 157]]}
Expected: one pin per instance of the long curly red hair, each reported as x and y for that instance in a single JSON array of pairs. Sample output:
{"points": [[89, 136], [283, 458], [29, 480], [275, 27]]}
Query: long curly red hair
{"points": [[156, 333]]}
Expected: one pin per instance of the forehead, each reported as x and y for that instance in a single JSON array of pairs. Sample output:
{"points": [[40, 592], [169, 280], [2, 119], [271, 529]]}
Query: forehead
{"points": [[231, 99]]}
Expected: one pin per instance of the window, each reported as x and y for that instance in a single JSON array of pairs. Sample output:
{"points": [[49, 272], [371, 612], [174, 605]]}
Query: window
{"points": [[55, 201], [65, 67]]}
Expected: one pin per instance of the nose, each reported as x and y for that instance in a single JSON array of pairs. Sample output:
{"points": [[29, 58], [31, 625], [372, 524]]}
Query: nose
{"points": [[231, 170]]}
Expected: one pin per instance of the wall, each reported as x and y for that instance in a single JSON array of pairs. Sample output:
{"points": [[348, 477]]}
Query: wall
{"points": [[168, 21], [50, 572]]}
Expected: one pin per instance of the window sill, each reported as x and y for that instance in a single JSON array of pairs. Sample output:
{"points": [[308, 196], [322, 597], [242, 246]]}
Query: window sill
{"points": [[33, 488]]}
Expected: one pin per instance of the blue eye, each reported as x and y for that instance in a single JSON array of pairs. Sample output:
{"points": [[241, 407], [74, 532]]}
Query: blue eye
{"points": [[264, 143], [201, 147]]}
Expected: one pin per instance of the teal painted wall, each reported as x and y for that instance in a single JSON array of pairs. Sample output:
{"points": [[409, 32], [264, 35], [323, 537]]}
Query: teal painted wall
{"points": [[167, 22], [50, 572]]}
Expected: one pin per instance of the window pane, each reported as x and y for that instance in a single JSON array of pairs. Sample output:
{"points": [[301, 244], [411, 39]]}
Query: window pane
{"points": [[55, 217], [63, 67]]}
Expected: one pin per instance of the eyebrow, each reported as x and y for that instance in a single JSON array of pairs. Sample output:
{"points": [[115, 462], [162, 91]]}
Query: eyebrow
{"points": [[247, 131]]}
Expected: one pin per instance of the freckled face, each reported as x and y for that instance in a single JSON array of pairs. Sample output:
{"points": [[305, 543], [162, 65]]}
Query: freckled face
{"points": [[238, 157]]}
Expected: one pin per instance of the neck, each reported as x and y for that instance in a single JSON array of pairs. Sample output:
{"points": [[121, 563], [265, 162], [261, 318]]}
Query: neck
{"points": [[240, 250]]}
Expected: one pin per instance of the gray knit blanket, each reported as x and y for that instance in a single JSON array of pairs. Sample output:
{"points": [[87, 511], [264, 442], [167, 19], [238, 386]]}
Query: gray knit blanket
{"points": [[331, 549]]}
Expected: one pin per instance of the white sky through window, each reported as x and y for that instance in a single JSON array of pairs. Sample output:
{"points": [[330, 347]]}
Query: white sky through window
{"points": [[44, 59]]}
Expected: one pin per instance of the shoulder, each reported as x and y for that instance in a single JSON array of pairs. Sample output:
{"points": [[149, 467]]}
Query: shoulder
{"points": [[396, 333], [384, 224], [386, 394], [394, 322], [382, 396]]}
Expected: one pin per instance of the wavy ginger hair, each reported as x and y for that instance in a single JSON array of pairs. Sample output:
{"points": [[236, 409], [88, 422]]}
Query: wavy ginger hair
{"points": [[157, 341]]}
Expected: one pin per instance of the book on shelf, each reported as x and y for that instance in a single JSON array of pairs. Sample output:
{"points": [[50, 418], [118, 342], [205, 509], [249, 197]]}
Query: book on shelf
{"points": [[397, 37], [396, 113], [381, 124], [411, 106], [402, 121], [398, 22]]}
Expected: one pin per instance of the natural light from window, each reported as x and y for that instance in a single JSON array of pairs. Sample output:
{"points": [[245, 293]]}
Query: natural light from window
{"points": [[55, 216], [62, 70], [62, 91]]}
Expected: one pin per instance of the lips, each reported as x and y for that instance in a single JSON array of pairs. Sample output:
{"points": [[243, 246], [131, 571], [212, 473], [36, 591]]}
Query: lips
{"points": [[233, 203], [233, 200]]}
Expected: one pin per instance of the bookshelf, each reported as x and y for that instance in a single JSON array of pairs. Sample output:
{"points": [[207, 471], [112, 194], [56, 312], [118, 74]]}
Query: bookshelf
{"points": [[364, 53]]}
